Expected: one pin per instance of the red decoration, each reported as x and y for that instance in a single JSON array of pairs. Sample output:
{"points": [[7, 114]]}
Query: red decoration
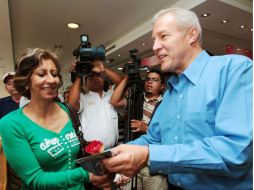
{"points": [[231, 49], [94, 147], [150, 61]]}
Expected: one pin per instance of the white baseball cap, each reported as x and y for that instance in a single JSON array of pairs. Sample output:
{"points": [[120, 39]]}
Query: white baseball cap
{"points": [[6, 75]]}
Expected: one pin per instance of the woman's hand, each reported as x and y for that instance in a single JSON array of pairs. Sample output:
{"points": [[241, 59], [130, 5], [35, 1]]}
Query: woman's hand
{"points": [[104, 181], [121, 179]]}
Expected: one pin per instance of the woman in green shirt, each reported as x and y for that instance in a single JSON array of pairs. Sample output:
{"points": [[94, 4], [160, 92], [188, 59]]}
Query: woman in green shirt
{"points": [[38, 139]]}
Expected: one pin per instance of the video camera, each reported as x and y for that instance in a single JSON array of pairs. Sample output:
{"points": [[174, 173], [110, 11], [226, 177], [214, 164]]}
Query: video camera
{"points": [[132, 68], [85, 54]]}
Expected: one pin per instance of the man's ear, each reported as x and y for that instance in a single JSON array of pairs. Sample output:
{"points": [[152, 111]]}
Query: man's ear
{"points": [[162, 88], [193, 35]]}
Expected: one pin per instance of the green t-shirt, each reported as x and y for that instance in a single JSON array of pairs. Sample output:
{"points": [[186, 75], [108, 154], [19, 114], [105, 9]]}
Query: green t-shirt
{"points": [[42, 158]]}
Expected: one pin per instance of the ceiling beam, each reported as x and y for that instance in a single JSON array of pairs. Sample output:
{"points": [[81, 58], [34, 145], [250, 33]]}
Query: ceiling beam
{"points": [[146, 27]]}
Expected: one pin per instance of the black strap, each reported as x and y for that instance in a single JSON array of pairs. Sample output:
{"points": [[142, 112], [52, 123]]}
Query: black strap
{"points": [[77, 127], [156, 106]]}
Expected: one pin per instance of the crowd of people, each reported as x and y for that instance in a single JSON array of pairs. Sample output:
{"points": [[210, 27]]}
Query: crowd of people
{"points": [[195, 131]]}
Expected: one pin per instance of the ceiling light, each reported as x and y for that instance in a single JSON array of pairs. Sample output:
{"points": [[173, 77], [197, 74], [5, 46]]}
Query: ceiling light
{"points": [[73, 25], [205, 15], [120, 68], [224, 21], [119, 55], [242, 26], [143, 44]]}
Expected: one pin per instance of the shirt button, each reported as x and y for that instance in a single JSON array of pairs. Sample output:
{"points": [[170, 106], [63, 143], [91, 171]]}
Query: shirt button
{"points": [[180, 96], [69, 158], [178, 184], [69, 150], [70, 167], [178, 116], [176, 138]]}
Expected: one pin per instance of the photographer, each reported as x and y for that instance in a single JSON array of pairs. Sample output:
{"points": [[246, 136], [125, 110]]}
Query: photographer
{"points": [[153, 88], [97, 116]]}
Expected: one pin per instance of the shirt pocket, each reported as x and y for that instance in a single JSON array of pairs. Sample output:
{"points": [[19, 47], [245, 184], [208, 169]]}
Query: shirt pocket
{"points": [[198, 125]]}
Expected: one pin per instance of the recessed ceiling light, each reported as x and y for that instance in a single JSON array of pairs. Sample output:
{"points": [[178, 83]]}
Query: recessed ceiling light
{"points": [[110, 60], [73, 25], [242, 26], [205, 15], [224, 21], [143, 44], [120, 68], [119, 55]]}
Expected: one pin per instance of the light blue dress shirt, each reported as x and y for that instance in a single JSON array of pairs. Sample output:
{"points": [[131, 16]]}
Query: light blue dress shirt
{"points": [[201, 134]]}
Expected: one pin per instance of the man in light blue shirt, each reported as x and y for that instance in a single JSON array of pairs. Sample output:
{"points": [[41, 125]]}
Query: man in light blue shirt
{"points": [[201, 134]]}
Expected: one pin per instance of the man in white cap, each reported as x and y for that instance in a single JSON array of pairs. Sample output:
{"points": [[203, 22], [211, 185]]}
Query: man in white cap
{"points": [[7, 105]]}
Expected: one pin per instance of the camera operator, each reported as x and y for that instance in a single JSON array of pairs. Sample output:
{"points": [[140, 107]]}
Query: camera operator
{"points": [[98, 117], [153, 88]]}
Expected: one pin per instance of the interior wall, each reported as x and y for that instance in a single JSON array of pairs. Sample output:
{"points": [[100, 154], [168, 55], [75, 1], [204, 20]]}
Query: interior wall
{"points": [[6, 53]]}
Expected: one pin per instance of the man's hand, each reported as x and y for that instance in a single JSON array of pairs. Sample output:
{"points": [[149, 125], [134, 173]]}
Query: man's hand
{"points": [[103, 181], [138, 126], [127, 159], [73, 67], [98, 66]]}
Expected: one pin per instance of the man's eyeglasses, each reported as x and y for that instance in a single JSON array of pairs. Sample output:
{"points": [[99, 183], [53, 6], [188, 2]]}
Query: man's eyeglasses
{"points": [[152, 79]]}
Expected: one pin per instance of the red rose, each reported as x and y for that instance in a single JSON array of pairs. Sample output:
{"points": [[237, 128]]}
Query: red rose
{"points": [[94, 147]]}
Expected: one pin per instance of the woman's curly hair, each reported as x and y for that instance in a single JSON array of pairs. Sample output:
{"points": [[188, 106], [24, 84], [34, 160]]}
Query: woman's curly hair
{"points": [[27, 63]]}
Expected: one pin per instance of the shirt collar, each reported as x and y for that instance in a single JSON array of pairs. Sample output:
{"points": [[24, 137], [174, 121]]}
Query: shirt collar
{"points": [[153, 99], [192, 72], [91, 92], [195, 69]]}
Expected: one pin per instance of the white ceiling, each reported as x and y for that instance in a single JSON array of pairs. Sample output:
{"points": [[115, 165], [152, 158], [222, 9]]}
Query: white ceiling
{"points": [[122, 23]]}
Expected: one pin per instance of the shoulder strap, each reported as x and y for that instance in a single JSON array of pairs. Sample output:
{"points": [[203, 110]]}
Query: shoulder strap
{"points": [[74, 116], [76, 125]]}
